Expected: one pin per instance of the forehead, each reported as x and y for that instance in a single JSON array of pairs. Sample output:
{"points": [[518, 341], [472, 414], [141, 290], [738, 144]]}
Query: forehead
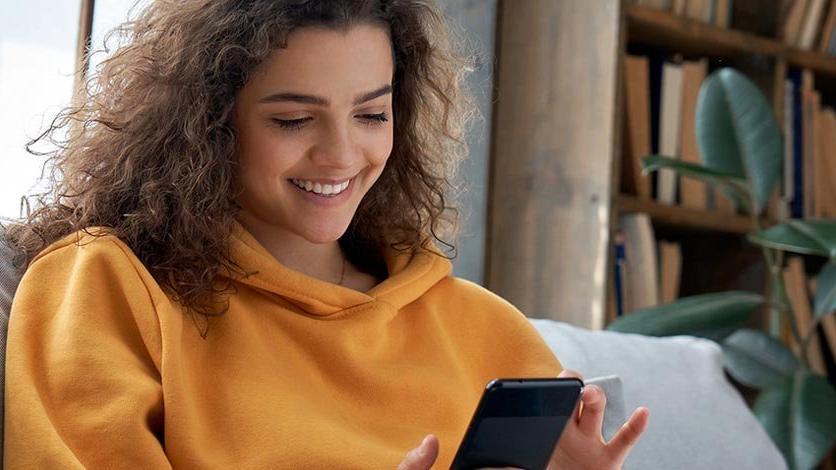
{"points": [[321, 58]]}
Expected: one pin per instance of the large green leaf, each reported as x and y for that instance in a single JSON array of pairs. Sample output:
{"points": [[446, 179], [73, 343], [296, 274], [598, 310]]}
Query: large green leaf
{"points": [[813, 237], [757, 359], [799, 414], [712, 316], [826, 290], [737, 132]]}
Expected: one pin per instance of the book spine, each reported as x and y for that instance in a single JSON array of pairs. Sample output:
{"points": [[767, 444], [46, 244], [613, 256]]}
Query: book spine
{"points": [[618, 265], [797, 205]]}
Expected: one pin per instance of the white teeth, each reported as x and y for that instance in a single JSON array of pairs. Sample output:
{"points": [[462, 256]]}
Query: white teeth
{"points": [[323, 189]]}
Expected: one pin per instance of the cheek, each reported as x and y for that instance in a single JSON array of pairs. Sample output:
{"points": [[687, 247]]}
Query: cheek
{"points": [[264, 157], [381, 149]]}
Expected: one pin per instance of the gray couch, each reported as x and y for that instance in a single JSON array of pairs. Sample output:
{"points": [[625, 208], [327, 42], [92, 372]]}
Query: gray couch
{"points": [[698, 420]]}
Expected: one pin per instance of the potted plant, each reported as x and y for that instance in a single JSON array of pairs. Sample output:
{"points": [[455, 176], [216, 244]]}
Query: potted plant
{"points": [[742, 154]]}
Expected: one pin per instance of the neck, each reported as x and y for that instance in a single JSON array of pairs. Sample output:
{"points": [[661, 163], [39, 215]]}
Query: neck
{"points": [[323, 261]]}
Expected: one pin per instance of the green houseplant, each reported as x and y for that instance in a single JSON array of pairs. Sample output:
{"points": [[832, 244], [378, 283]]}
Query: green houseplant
{"points": [[742, 153]]}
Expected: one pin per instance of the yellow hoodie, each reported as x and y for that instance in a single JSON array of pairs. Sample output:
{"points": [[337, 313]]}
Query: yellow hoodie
{"points": [[105, 371]]}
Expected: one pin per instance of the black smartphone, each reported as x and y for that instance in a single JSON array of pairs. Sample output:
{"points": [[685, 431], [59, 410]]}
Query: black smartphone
{"points": [[518, 423]]}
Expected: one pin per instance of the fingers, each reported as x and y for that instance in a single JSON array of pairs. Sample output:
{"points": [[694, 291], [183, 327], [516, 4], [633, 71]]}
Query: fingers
{"points": [[422, 457], [592, 415], [629, 434]]}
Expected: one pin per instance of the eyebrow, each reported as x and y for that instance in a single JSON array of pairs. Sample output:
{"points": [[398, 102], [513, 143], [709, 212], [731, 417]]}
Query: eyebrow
{"points": [[320, 101]]}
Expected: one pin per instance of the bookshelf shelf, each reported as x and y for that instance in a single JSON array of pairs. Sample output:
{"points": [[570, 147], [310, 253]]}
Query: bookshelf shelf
{"points": [[682, 217], [818, 62], [663, 29]]}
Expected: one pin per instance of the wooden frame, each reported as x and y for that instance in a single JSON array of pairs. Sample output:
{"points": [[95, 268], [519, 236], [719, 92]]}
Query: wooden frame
{"points": [[83, 41], [555, 137]]}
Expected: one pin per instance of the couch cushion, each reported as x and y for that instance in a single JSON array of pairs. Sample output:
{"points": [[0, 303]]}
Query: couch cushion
{"points": [[698, 420], [9, 278]]}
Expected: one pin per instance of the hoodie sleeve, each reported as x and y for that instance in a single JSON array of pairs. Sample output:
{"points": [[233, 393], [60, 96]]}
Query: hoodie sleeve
{"points": [[83, 387]]}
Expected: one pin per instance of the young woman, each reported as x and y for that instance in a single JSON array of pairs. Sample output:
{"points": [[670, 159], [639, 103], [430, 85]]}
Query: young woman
{"points": [[237, 264]]}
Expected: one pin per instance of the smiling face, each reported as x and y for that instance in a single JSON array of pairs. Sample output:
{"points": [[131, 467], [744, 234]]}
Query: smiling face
{"points": [[315, 129]]}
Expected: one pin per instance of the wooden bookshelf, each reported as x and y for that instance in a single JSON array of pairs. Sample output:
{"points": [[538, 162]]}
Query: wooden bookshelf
{"points": [[816, 61], [665, 30], [685, 218]]}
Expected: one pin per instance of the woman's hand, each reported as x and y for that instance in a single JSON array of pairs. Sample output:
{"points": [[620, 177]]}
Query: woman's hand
{"points": [[422, 457], [582, 447]]}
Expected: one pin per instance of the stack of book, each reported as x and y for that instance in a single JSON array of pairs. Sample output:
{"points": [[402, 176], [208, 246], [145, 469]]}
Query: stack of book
{"points": [[808, 188], [660, 105], [799, 292], [809, 25], [646, 272]]}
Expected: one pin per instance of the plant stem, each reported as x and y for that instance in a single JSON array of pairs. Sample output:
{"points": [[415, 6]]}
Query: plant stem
{"points": [[779, 305], [811, 332]]}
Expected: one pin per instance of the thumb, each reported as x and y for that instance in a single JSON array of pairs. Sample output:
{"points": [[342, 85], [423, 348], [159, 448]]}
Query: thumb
{"points": [[421, 457]]}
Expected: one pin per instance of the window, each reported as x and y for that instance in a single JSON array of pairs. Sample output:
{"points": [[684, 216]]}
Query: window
{"points": [[37, 61]]}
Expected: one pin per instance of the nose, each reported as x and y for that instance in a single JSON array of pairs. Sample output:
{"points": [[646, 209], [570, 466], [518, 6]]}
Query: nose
{"points": [[335, 148]]}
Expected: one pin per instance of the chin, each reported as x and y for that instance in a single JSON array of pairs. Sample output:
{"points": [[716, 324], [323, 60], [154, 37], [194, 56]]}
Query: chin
{"points": [[324, 234]]}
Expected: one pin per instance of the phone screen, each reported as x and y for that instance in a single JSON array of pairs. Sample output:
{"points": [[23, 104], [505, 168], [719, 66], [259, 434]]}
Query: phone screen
{"points": [[518, 423]]}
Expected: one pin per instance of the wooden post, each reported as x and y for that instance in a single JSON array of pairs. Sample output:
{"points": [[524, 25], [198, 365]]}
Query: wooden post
{"points": [[85, 30], [554, 144]]}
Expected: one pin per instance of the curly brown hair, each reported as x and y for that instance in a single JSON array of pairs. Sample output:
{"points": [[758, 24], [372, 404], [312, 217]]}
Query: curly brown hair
{"points": [[150, 151]]}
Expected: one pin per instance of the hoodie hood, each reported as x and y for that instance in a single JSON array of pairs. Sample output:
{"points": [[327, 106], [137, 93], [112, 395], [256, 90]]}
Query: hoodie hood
{"points": [[411, 275]]}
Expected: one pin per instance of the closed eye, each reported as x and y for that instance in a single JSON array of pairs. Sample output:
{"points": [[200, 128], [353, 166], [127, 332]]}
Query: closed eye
{"points": [[375, 119], [292, 124], [295, 124]]}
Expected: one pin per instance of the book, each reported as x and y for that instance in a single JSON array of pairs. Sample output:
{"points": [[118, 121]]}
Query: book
{"points": [[670, 120], [656, 62], [678, 7], [699, 10], [797, 202], [670, 271], [620, 259], [641, 280], [808, 110], [719, 202], [787, 184], [828, 27], [722, 13], [637, 122], [812, 23], [818, 165], [825, 167], [793, 21], [796, 282], [828, 324], [693, 193]]}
